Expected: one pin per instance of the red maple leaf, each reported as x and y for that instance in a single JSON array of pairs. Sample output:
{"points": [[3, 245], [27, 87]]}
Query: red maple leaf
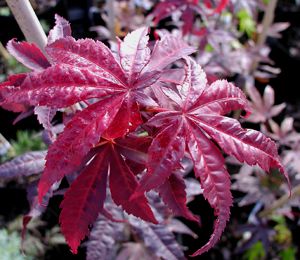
{"points": [[129, 94], [195, 118]]}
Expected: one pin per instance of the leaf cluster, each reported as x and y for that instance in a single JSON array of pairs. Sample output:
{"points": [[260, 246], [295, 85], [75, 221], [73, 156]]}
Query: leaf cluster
{"points": [[141, 120]]}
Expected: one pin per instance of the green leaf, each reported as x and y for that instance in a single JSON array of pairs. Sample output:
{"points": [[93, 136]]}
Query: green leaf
{"points": [[255, 252], [27, 141], [246, 23], [288, 253]]}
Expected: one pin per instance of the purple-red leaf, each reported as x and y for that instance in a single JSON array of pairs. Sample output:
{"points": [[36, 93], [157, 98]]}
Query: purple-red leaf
{"points": [[24, 165], [102, 241], [174, 196], [28, 54], [84, 200], [123, 184], [194, 84], [87, 54], [164, 155], [36, 209], [246, 145], [81, 134], [158, 239], [45, 116], [221, 97], [126, 120], [215, 181], [5, 89], [188, 17], [164, 9], [65, 87]]}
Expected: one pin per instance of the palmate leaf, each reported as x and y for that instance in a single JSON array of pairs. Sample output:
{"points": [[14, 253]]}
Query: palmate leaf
{"points": [[199, 111], [81, 70], [84, 200], [184, 118]]}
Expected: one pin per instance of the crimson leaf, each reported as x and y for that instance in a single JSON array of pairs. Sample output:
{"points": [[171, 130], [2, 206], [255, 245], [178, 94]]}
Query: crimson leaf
{"points": [[198, 109], [78, 212], [68, 151]]}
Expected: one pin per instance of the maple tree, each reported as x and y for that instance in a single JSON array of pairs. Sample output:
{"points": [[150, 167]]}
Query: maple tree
{"points": [[141, 119]]}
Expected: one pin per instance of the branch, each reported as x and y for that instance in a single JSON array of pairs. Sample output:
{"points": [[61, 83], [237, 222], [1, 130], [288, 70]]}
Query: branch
{"points": [[266, 23], [111, 19], [280, 202], [28, 22]]}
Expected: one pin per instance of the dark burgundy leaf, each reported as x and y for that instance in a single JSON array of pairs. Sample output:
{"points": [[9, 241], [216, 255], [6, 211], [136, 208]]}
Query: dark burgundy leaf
{"points": [[81, 134], [121, 176], [174, 196], [84, 200], [165, 153]]}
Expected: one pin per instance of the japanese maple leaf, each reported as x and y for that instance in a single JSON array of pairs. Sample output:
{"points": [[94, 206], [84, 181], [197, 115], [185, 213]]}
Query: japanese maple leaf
{"points": [[113, 89], [85, 198], [194, 119], [188, 8], [85, 69]]}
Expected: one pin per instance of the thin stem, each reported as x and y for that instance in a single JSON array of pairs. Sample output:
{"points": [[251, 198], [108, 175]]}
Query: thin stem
{"points": [[266, 23], [280, 202], [28, 22], [111, 18]]}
